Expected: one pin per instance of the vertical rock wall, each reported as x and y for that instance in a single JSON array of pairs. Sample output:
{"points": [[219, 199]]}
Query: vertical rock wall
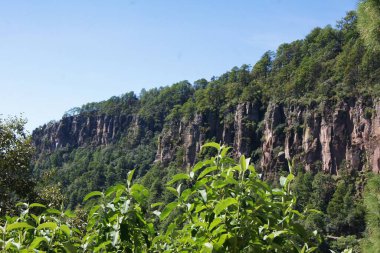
{"points": [[322, 136]]}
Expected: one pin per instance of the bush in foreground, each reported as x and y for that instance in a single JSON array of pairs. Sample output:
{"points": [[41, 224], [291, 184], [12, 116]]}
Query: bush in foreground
{"points": [[220, 205]]}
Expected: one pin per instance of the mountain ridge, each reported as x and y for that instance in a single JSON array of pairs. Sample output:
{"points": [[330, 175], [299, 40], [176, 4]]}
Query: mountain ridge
{"points": [[314, 101]]}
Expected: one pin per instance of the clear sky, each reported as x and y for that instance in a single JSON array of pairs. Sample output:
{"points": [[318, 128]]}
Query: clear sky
{"points": [[55, 55]]}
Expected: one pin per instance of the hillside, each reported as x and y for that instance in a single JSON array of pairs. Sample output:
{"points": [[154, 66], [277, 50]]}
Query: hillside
{"points": [[315, 102]]}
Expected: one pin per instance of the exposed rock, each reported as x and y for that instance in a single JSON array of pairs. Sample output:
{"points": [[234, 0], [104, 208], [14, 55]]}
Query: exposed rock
{"points": [[374, 142], [246, 115], [80, 130], [320, 137]]}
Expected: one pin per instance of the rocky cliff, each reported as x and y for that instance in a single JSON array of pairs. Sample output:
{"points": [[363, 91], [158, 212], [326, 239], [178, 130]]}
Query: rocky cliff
{"points": [[323, 136], [87, 130]]}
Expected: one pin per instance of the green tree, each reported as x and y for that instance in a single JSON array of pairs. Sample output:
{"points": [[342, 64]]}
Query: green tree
{"points": [[371, 243], [15, 154], [369, 23]]}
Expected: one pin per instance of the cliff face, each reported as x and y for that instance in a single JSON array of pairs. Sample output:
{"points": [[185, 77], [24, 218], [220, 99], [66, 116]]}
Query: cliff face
{"points": [[239, 133], [322, 136], [90, 130], [319, 137]]}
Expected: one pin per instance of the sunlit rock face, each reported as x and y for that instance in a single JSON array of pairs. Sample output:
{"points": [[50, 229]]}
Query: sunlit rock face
{"points": [[326, 136]]}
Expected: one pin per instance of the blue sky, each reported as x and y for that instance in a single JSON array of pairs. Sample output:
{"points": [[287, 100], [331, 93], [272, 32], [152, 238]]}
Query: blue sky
{"points": [[55, 55]]}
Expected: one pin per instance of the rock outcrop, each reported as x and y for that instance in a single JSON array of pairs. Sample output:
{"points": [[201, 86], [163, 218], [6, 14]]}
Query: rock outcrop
{"points": [[325, 136], [85, 130]]}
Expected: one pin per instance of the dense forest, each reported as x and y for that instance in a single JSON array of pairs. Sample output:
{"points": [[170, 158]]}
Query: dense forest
{"points": [[307, 115]]}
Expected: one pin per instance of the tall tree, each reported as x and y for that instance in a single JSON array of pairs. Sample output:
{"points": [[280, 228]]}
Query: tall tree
{"points": [[369, 23], [15, 155]]}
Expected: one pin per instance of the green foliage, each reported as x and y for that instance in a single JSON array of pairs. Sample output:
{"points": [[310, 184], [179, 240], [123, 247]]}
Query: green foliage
{"points": [[329, 65], [124, 104], [345, 212], [323, 188], [223, 206], [15, 154], [342, 243], [64, 177], [342, 216], [369, 23], [219, 206], [50, 231], [371, 243]]}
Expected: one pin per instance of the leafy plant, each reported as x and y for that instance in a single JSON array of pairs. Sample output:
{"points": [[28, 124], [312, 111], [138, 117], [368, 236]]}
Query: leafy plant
{"points": [[223, 206], [219, 206]]}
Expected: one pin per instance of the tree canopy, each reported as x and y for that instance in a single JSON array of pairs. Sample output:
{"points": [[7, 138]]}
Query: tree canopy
{"points": [[15, 155], [369, 23]]}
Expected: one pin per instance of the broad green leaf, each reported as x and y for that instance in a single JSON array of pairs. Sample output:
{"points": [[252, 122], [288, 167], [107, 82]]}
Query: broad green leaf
{"points": [[222, 205], [48, 225], [211, 144], [224, 151], [207, 171], [200, 208], [274, 234], [157, 204], [36, 242], [18, 225], [201, 164], [170, 229], [181, 176], [139, 193], [93, 210], [10, 243], [35, 218], [221, 241], [92, 194], [53, 211], [167, 210], [114, 189], [289, 178], [185, 194], [22, 204], [65, 229], [200, 183], [252, 169], [102, 246], [130, 176], [215, 223], [36, 205], [243, 163], [222, 183], [69, 214]]}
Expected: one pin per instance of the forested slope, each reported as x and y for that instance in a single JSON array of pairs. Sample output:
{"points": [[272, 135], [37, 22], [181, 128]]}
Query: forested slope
{"points": [[314, 101]]}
